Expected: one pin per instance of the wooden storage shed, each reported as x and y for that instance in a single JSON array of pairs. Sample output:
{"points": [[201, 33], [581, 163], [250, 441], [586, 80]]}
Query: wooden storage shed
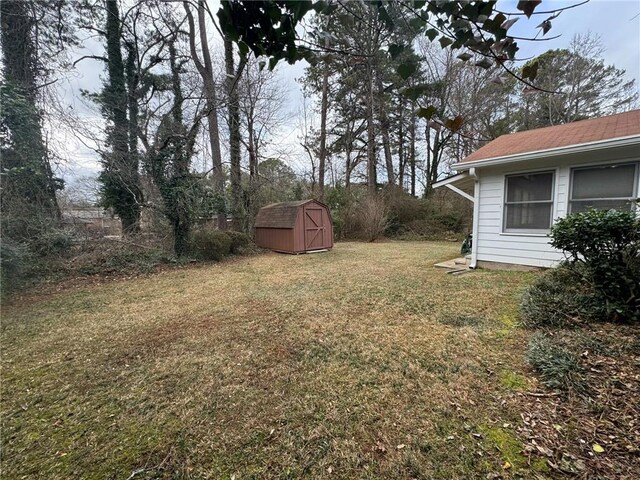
{"points": [[295, 227]]}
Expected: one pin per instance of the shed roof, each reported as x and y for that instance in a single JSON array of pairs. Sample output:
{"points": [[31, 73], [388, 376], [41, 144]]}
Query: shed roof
{"points": [[575, 133], [279, 215]]}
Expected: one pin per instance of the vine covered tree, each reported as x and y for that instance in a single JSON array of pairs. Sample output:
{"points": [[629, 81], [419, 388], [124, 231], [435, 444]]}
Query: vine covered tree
{"points": [[120, 177], [32, 37]]}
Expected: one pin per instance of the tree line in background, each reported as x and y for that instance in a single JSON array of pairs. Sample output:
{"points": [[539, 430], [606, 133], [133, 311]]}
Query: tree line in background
{"points": [[401, 90]]}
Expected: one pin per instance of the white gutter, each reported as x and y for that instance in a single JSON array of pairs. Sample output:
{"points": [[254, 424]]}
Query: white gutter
{"points": [[476, 218], [451, 179], [550, 152]]}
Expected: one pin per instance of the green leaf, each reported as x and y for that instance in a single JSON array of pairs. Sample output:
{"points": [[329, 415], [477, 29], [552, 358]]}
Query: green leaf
{"points": [[426, 112], [413, 93], [243, 48], [405, 70], [395, 50], [484, 63], [431, 34], [445, 42], [530, 71], [300, 8], [417, 23], [385, 17]]}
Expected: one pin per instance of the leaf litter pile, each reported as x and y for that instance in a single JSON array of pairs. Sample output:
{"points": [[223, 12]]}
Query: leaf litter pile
{"points": [[592, 429]]}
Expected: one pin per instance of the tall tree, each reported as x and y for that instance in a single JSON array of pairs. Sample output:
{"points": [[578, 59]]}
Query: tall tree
{"points": [[324, 110], [233, 119], [120, 178], [28, 183], [168, 161], [205, 69], [583, 86], [262, 102]]}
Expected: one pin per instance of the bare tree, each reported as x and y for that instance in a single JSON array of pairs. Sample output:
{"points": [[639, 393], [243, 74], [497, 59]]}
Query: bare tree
{"points": [[205, 69], [233, 120]]}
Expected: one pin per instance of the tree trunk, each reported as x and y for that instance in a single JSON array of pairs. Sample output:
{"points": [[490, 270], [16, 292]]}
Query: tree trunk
{"points": [[27, 181], [371, 139], [347, 170], [178, 199], [132, 102], [252, 150], [401, 158], [237, 209], [120, 174], [384, 130], [432, 172], [412, 150], [181, 232], [252, 146], [427, 134], [205, 69], [323, 128]]}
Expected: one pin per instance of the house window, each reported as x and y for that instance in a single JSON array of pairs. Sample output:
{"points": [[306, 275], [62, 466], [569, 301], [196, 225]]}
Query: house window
{"points": [[604, 187], [528, 202]]}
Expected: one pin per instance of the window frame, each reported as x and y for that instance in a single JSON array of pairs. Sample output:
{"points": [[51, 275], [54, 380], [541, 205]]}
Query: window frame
{"points": [[634, 193], [505, 203]]}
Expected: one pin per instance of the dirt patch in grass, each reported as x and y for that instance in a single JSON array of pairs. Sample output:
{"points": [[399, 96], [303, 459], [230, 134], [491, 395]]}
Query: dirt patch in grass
{"points": [[335, 365]]}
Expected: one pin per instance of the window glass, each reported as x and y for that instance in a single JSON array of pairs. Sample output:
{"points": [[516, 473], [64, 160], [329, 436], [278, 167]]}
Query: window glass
{"points": [[526, 216], [533, 187], [584, 205], [603, 182], [529, 201]]}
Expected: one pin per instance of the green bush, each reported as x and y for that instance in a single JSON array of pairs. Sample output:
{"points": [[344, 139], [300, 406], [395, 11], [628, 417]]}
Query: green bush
{"points": [[603, 247], [440, 215], [558, 367], [559, 298], [54, 241], [358, 215], [16, 260], [109, 258], [240, 241], [210, 244]]}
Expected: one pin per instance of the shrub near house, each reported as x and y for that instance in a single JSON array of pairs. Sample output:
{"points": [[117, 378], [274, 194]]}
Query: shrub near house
{"points": [[600, 280]]}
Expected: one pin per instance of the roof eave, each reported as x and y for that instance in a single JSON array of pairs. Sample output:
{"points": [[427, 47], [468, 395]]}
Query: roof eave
{"points": [[550, 152]]}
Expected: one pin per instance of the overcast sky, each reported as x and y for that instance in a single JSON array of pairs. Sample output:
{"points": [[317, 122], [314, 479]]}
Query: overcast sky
{"points": [[617, 22]]}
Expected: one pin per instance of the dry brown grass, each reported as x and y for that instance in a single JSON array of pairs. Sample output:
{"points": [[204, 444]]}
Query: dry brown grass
{"points": [[357, 363]]}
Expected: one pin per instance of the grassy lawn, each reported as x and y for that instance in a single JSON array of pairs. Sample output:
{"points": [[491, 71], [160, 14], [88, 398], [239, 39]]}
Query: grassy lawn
{"points": [[365, 362]]}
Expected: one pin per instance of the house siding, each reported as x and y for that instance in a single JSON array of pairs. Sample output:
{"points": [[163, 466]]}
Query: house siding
{"points": [[494, 245]]}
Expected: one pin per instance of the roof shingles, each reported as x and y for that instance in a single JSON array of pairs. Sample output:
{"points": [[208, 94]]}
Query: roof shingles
{"points": [[575, 133], [279, 215]]}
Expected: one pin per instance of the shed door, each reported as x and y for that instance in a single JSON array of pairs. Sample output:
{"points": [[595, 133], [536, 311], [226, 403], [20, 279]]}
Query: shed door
{"points": [[313, 228]]}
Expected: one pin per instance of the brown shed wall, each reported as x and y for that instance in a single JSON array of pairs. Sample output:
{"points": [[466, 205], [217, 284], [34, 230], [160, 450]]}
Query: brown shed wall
{"points": [[280, 239]]}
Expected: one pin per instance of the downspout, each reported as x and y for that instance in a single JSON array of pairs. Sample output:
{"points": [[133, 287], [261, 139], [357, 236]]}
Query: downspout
{"points": [[476, 216]]}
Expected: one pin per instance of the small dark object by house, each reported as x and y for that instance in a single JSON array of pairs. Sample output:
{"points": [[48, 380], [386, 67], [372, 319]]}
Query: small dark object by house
{"points": [[467, 245], [294, 227]]}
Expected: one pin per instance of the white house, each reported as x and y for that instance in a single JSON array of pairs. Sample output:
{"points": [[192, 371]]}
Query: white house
{"points": [[519, 183]]}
